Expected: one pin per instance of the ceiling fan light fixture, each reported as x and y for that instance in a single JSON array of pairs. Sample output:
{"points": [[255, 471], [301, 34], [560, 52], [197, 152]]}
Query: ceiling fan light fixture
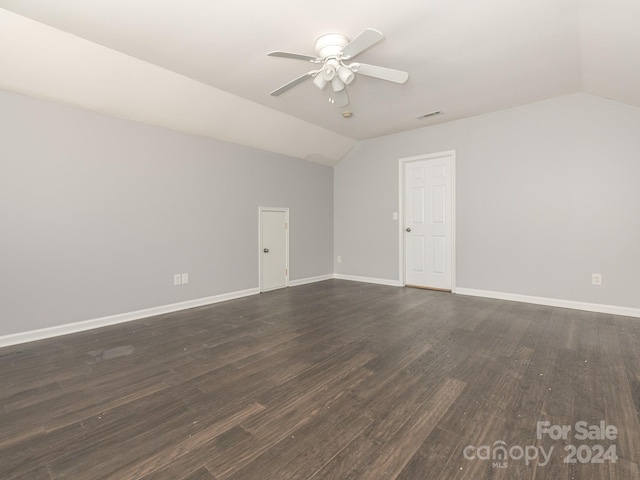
{"points": [[345, 74], [333, 50], [330, 69], [319, 81], [328, 72]]}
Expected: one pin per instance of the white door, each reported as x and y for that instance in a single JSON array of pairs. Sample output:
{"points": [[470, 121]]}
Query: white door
{"points": [[428, 222], [274, 256]]}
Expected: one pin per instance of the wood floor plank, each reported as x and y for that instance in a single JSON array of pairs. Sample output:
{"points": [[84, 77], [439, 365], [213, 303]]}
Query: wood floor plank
{"points": [[437, 457], [332, 380], [405, 442], [177, 449], [349, 462], [620, 407], [195, 459], [200, 474], [310, 447], [288, 411]]}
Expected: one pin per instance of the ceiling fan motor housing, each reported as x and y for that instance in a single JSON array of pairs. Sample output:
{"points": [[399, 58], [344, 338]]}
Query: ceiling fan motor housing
{"points": [[329, 48], [330, 45]]}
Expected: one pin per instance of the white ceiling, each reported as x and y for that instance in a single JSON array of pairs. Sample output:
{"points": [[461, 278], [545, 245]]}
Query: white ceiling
{"points": [[465, 57]]}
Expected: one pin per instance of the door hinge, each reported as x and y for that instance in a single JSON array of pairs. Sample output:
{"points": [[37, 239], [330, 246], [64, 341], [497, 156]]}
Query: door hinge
{"points": [[286, 271], [286, 225]]}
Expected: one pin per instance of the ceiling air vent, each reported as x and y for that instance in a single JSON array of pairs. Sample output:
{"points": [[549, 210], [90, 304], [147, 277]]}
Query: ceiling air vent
{"points": [[427, 115]]}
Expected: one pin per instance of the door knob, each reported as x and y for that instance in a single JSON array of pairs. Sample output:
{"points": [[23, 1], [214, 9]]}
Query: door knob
{"points": [[408, 229], [266, 250]]}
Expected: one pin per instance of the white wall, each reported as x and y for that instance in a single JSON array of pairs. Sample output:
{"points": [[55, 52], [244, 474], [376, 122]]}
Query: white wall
{"points": [[547, 194], [97, 214]]}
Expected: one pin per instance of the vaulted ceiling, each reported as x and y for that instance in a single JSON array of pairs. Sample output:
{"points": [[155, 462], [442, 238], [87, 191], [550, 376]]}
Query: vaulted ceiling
{"points": [[201, 66]]}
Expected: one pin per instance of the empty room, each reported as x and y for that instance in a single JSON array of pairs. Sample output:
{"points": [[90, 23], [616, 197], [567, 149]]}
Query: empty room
{"points": [[319, 240]]}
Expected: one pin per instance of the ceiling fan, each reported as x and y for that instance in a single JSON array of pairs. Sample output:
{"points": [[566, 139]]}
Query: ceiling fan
{"points": [[333, 51]]}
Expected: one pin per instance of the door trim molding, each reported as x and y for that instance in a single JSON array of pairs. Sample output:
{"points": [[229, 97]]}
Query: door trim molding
{"points": [[401, 190], [260, 247]]}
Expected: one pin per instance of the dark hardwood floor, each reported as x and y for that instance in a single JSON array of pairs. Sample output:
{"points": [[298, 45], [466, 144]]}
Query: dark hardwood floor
{"points": [[335, 380]]}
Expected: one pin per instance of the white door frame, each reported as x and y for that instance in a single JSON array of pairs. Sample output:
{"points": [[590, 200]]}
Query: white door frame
{"points": [[260, 247], [401, 187]]}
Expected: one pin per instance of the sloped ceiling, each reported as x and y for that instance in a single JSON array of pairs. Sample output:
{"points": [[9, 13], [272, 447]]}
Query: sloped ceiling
{"points": [[201, 66]]}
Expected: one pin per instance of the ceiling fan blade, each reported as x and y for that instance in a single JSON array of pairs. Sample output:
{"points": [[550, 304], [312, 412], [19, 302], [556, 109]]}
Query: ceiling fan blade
{"points": [[388, 74], [339, 99], [293, 83], [295, 56], [366, 39]]}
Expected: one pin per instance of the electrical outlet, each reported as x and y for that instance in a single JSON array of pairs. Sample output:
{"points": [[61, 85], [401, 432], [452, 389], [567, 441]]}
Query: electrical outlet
{"points": [[185, 278], [177, 279], [596, 279], [339, 259], [395, 215]]}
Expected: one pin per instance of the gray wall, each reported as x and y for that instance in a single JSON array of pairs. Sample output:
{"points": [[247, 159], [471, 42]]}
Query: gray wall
{"points": [[547, 194], [98, 213]]}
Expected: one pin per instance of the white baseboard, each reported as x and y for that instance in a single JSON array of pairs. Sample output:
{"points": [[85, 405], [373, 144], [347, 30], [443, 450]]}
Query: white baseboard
{"points": [[377, 281], [305, 281], [552, 302], [33, 335], [42, 333]]}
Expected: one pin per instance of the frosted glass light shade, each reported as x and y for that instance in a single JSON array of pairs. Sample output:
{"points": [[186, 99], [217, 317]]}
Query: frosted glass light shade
{"points": [[319, 81], [345, 74]]}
